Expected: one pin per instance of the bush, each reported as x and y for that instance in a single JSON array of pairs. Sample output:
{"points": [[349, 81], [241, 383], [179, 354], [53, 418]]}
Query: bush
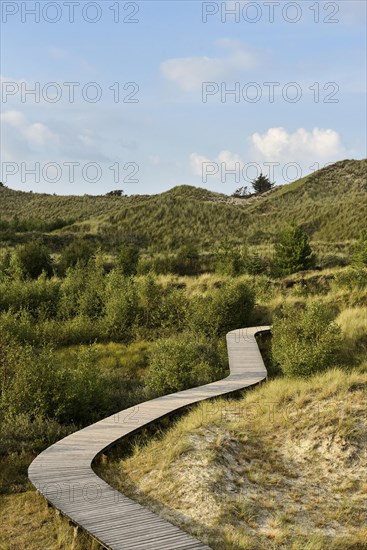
{"points": [[79, 251], [82, 290], [36, 384], [128, 258], [40, 297], [34, 258], [228, 259], [21, 433], [150, 307], [222, 310], [305, 341], [351, 279], [254, 264], [18, 327], [182, 362], [121, 307], [187, 260], [360, 251]]}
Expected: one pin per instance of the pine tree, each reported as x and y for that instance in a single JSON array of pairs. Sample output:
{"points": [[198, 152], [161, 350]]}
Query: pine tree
{"points": [[292, 251], [262, 184]]}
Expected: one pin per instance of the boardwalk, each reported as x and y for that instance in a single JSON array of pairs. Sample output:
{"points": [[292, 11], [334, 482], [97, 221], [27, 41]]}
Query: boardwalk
{"points": [[63, 473]]}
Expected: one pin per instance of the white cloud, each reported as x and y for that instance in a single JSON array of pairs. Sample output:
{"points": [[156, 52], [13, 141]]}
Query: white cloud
{"points": [[196, 163], [279, 145], [36, 134], [271, 153], [231, 160], [224, 161], [39, 134], [15, 119], [190, 72]]}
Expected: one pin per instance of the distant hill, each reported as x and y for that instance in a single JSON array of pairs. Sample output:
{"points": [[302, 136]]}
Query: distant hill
{"points": [[331, 204]]}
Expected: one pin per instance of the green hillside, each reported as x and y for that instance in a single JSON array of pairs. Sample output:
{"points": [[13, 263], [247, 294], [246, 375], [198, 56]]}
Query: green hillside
{"points": [[330, 204]]}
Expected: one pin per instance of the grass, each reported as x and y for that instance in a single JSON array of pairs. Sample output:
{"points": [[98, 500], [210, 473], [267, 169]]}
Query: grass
{"points": [[330, 204], [286, 460], [28, 523], [260, 472]]}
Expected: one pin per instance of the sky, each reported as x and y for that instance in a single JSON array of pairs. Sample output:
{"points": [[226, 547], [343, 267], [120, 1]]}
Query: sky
{"points": [[144, 96]]}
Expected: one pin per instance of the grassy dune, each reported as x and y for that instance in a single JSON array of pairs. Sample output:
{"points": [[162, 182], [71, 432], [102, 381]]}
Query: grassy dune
{"points": [[330, 204], [281, 468]]}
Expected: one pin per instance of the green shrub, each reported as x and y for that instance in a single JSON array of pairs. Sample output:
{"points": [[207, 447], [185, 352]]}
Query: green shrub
{"points": [[121, 307], [150, 307], [35, 383], [222, 310], [228, 259], [83, 290], [186, 261], [305, 341], [22, 433], [79, 251], [128, 258], [254, 264], [18, 327], [40, 297], [34, 258], [184, 361], [351, 279], [359, 258]]}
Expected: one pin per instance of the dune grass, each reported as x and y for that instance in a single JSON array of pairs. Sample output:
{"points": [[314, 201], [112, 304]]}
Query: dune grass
{"points": [[28, 523], [330, 204], [262, 472]]}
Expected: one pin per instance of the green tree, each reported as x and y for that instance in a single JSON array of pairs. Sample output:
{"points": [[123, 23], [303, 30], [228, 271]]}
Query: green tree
{"points": [[359, 258], [128, 258], [305, 341], [261, 184], [34, 258], [292, 251]]}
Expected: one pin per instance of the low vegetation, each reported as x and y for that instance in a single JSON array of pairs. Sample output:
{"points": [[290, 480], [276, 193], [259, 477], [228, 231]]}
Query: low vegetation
{"points": [[96, 317], [281, 468]]}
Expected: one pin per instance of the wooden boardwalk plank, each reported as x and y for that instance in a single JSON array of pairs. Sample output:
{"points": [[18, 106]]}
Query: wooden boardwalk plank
{"points": [[63, 472]]}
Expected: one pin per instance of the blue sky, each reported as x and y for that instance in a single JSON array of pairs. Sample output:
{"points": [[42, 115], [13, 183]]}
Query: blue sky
{"points": [[311, 55]]}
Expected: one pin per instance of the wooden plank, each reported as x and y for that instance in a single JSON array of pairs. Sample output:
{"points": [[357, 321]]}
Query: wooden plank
{"points": [[63, 473]]}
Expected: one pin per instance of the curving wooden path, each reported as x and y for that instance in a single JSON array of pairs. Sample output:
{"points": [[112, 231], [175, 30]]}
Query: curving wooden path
{"points": [[63, 474]]}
